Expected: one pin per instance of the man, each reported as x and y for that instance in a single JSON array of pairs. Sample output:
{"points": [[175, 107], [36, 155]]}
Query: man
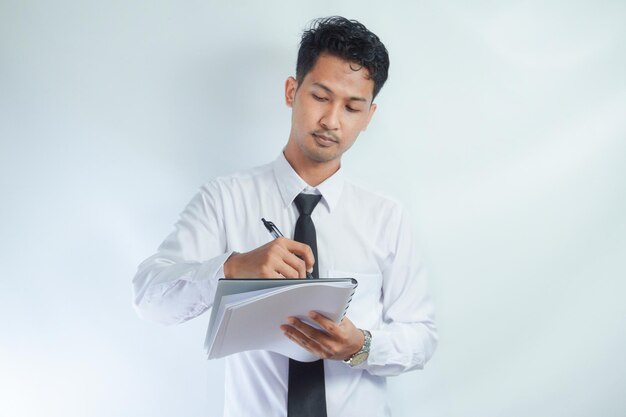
{"points": [[389, 328]]}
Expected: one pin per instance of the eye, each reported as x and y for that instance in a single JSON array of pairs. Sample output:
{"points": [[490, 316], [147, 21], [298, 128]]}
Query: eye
{"points": [[351, 110], [318, 98]]}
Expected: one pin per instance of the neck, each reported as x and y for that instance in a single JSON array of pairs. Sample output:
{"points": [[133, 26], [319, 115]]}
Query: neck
{"points": [[312, 172]]}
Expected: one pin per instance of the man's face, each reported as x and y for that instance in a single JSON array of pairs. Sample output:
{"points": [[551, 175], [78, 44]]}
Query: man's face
{"points": [[331, 107]]}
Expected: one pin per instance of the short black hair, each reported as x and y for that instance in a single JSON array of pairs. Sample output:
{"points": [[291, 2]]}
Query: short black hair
{"points": [[347, 39]]}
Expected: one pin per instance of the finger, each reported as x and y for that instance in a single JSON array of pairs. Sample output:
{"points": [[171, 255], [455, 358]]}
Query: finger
{"points": [[309, 331], [285, 270], [305, 342], [296, 263], [303, 251], [288, 251], [326, 323]]}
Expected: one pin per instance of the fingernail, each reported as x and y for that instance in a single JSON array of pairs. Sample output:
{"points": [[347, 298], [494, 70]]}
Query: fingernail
{"points": [[310, 270]]}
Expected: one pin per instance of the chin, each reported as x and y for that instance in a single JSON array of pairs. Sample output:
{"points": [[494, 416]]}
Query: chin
{"points": [[321, 157], [315, 153]]}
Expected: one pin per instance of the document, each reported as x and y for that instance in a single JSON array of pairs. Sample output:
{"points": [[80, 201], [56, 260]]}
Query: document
{"points": [[247, 313]]}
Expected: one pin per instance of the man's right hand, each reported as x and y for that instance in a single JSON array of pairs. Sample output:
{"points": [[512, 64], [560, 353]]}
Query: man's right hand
{"points": [[280, 258]]}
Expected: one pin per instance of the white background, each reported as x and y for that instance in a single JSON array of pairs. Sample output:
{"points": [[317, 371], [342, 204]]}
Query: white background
{"points": [[502, 127]]}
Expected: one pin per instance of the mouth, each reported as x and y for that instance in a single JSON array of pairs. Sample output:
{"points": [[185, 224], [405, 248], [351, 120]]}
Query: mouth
{"points": [[324, 140]]}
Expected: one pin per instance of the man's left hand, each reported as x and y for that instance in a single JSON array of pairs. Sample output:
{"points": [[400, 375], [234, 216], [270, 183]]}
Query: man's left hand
{"points": [[336, 341]]}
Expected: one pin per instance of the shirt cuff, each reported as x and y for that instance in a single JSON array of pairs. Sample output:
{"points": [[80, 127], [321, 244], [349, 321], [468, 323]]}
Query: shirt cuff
{"points": [[384, 355], [208, 274], [378, 350], [386, 359], [213, 268]]}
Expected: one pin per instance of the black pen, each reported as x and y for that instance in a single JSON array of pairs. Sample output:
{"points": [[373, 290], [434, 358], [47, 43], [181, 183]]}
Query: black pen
{"points": [[271, 227]]}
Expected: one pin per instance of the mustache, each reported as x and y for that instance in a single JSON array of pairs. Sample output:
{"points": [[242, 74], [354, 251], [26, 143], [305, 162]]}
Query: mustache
{"points": [[327, 134]]}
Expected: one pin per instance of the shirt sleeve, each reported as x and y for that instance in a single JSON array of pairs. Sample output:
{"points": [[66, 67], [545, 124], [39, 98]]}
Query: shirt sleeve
{"points": [[179, 281], [407, 337]]}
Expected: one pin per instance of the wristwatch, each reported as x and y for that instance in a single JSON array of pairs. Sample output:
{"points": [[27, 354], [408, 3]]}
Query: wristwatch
{"points": [[362, 355]]}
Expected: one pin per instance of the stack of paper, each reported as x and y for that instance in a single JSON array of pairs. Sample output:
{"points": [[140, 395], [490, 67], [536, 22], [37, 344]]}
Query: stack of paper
{"points": [[247, 313]]}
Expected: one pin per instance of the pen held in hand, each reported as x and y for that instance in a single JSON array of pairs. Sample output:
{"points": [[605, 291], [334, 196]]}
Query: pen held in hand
{"points": [[271, 227]]}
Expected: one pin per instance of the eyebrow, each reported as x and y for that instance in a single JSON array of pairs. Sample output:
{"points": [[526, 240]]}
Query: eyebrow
{"points": [[328, 90]]}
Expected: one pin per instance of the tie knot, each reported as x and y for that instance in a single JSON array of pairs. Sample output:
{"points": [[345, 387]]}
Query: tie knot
{"points": [[306, 203]]}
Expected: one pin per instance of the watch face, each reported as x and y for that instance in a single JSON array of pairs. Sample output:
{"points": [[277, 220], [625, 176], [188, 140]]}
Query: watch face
{"points": [[359, 358]]}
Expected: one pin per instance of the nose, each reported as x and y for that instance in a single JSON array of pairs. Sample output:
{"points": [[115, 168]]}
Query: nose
{"points": [[330, 118]]}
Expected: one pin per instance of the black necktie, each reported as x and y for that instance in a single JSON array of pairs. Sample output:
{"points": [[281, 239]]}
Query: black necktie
{"points": [[307, 395]]}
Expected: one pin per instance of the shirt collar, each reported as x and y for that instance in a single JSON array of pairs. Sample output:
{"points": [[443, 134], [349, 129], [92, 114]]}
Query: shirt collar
{"points": [[291, 184]]}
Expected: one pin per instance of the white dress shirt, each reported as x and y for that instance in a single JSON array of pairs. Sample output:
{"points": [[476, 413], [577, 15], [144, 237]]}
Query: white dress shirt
{"points": [[359, 235]]}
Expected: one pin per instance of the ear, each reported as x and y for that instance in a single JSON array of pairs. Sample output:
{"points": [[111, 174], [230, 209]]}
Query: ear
{"points": [[372, 110], [291, 85]]}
